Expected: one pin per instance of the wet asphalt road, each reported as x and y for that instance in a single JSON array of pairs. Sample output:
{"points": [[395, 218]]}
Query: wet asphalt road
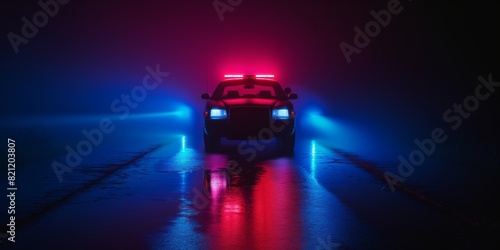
{"points": [[178, 197]]}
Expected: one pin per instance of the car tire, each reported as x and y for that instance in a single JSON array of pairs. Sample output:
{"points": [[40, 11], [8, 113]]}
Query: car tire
{"points": [[212, 143], [287, 143]]}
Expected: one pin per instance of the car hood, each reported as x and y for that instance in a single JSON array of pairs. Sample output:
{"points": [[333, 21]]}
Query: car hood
{"points": [[268, 103]]}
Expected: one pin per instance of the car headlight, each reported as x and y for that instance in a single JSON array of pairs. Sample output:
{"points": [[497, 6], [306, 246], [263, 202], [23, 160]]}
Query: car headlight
{"points": [[218, 114], [281, 113]]}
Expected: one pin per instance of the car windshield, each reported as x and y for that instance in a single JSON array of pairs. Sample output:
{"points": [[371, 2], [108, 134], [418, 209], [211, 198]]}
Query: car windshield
{"points": [[249, 89]]}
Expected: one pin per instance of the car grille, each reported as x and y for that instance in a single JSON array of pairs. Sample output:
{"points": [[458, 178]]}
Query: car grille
{"points": [[249, 119]]}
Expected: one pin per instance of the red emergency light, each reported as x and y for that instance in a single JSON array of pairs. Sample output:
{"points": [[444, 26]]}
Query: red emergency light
{"points": [[233, 76], [264, 76], [269, 76]]}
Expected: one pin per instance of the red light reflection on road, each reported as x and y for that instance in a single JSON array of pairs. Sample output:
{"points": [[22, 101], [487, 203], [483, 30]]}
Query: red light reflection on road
{"points": [[258, 211]]}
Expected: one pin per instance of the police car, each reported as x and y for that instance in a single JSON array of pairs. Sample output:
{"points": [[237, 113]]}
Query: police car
{"points": [[253, 108]]}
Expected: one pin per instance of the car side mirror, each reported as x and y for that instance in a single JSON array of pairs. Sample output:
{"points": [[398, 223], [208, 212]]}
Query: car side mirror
{"points": [[293, 96], [288, 90], [205, 96]]}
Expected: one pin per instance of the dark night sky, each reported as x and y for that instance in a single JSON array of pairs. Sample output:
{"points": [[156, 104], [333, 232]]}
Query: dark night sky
{"points": [[427, 58]]}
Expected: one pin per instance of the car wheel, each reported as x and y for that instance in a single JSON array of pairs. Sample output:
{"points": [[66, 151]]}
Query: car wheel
{"points": [[212, 143], [287, 143]]}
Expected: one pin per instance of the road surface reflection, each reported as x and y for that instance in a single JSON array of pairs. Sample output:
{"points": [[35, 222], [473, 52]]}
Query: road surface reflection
{"points": [[256, 208]]}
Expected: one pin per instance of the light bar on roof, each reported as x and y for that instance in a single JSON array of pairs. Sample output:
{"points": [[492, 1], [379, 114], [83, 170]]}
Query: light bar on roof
{"points": [[264, 76], [249, 76], [233, 76]]}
